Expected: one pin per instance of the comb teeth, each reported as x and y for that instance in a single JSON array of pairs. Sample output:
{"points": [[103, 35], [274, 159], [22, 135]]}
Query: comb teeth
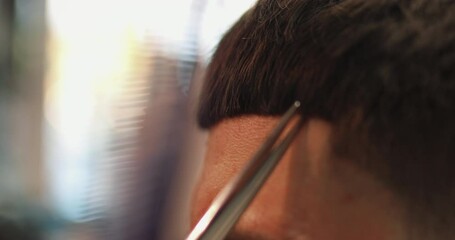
{"points": [[158, 150], [114, 176]]}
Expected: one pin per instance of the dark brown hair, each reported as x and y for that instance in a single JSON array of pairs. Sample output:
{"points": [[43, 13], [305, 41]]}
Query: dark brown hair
{"points": [[381, 71]]}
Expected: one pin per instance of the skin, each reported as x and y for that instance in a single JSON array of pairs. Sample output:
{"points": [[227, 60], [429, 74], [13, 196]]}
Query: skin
{"points": [[310, 195]]}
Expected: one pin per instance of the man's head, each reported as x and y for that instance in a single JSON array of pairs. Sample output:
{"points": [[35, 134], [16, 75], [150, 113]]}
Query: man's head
{"points": [[377, 86]]}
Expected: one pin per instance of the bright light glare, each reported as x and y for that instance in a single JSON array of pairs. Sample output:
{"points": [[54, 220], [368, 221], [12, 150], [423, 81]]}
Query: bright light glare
{"points": [[90, 53]]}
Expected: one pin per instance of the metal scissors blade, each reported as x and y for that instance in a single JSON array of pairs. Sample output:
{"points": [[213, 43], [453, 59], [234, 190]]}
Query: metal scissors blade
{"points": [[234, 198]]}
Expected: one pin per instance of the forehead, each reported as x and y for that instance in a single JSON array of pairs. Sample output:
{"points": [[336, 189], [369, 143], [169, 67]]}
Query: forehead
{"points": [[231, 144]]}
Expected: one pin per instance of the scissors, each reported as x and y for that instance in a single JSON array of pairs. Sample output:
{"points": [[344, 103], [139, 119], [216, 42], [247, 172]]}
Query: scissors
{"points": [[235, 197]]}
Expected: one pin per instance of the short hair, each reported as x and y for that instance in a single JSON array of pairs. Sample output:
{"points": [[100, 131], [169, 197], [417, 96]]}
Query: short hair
{"points": [[380, 71]]}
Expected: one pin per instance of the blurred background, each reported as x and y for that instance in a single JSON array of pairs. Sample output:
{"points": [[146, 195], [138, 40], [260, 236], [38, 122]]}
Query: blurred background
{"points": [[98, 138]]}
